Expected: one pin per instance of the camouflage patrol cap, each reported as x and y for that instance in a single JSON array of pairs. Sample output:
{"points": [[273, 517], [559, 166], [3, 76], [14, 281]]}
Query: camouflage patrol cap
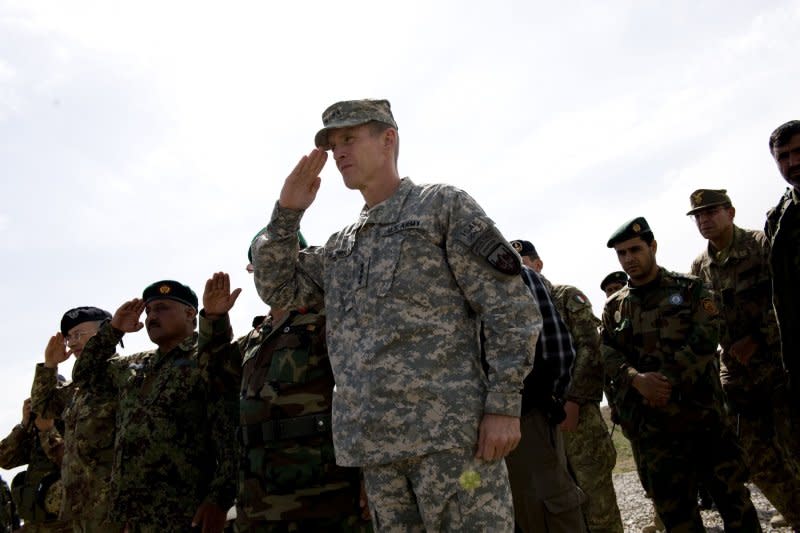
{"points": [[170, 290], [633, 228], [615, 277], [79, 315], [524, 248], [353, 113], [705, 198]]}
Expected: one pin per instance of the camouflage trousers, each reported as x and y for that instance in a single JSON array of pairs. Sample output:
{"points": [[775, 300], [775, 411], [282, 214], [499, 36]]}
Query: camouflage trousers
{"points": [[545, 495], [591, 456], [349, 524], [674, 463], [771, 467], [444, 491]]}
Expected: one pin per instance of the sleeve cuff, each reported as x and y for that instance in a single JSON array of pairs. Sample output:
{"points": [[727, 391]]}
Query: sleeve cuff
{"points": [[503, 403]]}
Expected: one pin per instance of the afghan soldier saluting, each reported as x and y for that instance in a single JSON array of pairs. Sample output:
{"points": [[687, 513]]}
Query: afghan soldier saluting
{"points": [[175, 444], [288, 477], [660, 335], [89, 424], [736, 266], [405, 289]]}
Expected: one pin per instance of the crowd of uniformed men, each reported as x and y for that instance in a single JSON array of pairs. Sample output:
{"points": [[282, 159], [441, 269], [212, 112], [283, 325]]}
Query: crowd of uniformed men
{"points": [[417, 372]]}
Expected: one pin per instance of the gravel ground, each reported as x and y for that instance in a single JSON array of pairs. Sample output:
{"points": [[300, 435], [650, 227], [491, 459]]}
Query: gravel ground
{"points": [[637, 511]]}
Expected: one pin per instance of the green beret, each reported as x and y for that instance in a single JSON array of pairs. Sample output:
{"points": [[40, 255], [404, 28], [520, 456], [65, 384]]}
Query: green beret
{"points": [[300, 239], [524, 248], [170, 290], [705, 198], [615, 277], [633, 228], [353, 113]]}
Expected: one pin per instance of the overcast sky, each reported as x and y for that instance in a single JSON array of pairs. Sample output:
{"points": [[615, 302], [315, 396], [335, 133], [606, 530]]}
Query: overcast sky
{"points": [[149, 140]]}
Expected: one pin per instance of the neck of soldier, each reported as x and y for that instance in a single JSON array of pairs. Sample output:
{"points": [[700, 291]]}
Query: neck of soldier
{"points": [[378, 190], [167, 345], [646, 278], [724, 239]]}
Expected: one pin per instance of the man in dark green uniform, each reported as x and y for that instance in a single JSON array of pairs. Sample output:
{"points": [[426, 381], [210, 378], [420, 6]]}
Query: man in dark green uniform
{"points": [[659, 346], [735, 265], [89, 419], [175, 445], [288, 477]]}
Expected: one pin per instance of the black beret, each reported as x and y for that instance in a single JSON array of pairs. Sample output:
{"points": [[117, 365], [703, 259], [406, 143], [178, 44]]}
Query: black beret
{"points": [[615, 277], [524, 248], [633, 228], [705, 198], [79, 315], [170, 290]]}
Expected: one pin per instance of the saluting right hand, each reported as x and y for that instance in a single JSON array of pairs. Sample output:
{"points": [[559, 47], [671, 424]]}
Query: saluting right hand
{"points": [[55, 352], [127, 316], [301, 185]]}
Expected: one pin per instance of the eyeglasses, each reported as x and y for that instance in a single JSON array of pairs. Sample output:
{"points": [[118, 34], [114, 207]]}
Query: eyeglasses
{"points": [[77, 336]]}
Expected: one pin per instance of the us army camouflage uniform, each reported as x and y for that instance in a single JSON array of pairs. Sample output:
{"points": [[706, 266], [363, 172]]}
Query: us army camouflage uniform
{"points": [[34, 448], [590, 450], [175, 442], [89, 419], [288, 478], [755, 392], [783, 232], [670, 326], [405, 289]]}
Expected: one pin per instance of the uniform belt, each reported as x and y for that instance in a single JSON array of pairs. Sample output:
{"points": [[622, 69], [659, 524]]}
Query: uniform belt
{"points": [[284, 429]]}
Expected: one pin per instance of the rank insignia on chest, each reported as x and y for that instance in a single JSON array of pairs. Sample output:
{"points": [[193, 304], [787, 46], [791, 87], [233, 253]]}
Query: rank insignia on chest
{"points": [[676, 299]]}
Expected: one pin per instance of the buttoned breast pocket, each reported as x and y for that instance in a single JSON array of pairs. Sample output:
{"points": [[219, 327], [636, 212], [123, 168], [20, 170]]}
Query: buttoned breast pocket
{"points": [[408, 268], [674, 322]]}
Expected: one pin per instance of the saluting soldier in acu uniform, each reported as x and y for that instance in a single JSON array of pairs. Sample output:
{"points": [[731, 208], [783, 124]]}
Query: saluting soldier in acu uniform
{"points": [[405, 290], [660, 335], [735, 265]]}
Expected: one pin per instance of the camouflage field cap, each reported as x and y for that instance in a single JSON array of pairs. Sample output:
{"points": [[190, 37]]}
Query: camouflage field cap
{"points": [[633, 228], [705, 198], [170, 290], [79, 315], [615, 277], [524, 248], [353, 113]]}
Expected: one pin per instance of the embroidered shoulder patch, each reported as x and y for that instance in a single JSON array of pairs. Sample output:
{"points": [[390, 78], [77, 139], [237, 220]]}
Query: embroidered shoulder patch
{"points": [[580, 298], [503, 258]]}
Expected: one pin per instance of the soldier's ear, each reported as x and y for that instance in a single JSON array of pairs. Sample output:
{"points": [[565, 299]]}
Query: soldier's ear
{"points": [[654, 245]]}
